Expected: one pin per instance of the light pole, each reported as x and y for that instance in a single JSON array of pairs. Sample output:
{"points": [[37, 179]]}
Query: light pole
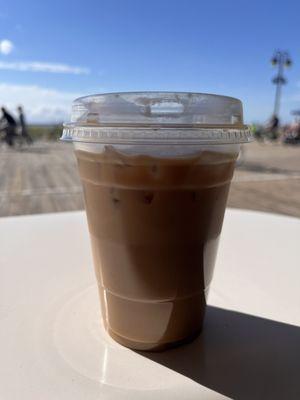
{"points": [[280, 59]]}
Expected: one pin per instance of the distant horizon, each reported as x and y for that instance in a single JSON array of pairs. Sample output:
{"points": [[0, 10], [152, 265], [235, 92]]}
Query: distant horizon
{"points": [[67, 114]]}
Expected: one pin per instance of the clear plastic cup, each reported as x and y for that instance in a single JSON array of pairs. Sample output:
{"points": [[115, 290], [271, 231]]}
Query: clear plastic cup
{"points": [[156, 169]]}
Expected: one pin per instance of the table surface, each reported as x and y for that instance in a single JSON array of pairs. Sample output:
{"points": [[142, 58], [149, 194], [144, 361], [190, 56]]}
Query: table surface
{"points": [[53, 346]]}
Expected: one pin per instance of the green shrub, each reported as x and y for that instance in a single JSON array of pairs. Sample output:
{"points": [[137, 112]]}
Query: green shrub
{"points": [[45, 132]]}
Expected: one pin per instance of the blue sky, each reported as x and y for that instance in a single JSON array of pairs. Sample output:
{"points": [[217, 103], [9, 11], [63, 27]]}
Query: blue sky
{"points": [[58, 50]]}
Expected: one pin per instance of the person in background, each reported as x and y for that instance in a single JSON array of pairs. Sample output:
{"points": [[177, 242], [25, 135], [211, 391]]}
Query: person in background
{"points": [[23, 127], [273, 127], [9, 126]]}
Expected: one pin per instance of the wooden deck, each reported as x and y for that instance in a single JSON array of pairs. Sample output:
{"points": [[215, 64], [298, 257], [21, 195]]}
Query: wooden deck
{"points": [[39, 179], [43, 178]]}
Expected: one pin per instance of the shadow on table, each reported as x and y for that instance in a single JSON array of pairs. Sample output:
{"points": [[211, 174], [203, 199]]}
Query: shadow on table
{"points": [[240, 356]]}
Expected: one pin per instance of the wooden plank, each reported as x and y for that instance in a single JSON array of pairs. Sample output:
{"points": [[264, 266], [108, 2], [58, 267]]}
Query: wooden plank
{"points": [[43, 178]]}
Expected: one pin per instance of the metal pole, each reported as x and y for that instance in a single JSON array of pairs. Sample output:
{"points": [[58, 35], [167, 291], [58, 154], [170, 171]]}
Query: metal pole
{"points": [[282, 60], [278, 85]]}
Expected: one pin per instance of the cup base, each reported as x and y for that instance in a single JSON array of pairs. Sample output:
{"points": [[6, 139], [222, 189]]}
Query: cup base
{"points": [[152, 347]]}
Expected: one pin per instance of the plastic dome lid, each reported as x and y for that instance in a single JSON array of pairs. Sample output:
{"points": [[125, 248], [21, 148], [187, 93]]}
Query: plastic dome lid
{"points": [[157, 117]]}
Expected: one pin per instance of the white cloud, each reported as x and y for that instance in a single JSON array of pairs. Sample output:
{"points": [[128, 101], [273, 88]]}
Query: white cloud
{"points": [[6, 46], [41, 104], [37, 66]]}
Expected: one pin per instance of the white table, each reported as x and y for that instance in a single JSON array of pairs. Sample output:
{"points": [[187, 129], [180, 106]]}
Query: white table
{"points": [[52, 345]]}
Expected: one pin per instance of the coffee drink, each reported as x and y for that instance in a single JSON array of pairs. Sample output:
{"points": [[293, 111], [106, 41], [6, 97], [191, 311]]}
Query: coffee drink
{"points": [[154, 223]]}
